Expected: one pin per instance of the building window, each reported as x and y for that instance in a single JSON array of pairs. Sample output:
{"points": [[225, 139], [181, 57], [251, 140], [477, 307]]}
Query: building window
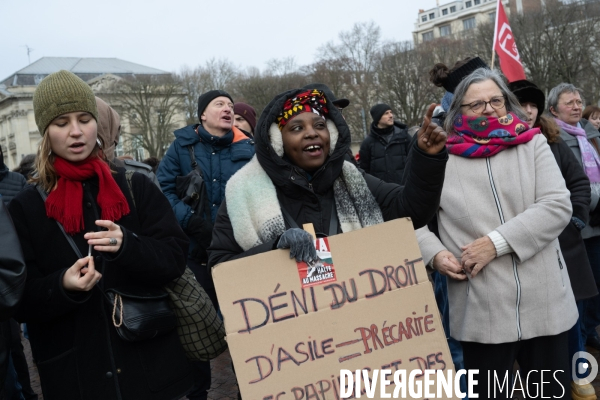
{"points": [[424, 18], [445, 11], [492, 16], [468, 4], [427, 36], [476, 2], [469, 23], [453, 9], [431, 16], [445, 30]]}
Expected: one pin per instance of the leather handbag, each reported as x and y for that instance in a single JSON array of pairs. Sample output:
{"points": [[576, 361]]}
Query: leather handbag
{"points": [[201, 331], [137, 313], [191, 189], [140, 315]]}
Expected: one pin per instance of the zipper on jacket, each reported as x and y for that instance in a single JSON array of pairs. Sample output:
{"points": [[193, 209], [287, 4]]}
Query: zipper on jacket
{"points": [[515, 272], [561, 267]]}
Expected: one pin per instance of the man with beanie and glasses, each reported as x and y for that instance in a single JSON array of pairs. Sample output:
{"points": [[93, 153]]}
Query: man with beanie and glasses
{"points": [[220, 150], [384, 152]]}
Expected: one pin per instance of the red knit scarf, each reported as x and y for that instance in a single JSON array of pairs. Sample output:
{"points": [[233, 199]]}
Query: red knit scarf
{"points": [[65, 204]]}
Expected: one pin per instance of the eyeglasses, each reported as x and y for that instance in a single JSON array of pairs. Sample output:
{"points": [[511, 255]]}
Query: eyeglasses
{"points": [[480, 105], [573, 103]]}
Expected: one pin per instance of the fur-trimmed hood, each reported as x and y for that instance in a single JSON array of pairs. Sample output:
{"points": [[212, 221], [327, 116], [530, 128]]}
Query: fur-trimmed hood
{"points": [[269, 147]]}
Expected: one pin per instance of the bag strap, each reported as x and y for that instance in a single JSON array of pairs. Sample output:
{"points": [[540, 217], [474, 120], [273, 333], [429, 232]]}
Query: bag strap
{"points": [[62, 229], [128, 174], [193, 159]]}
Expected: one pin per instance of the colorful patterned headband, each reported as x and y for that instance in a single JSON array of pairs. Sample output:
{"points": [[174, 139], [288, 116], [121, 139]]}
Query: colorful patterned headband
{"points": [[308, 101]]}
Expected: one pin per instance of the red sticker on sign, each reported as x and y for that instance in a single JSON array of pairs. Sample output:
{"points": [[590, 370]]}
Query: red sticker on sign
{"points": [[320, 271]]}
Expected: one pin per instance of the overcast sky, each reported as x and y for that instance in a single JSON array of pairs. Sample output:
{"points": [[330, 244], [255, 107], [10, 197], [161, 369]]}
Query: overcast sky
{"points": [[168, 34]]}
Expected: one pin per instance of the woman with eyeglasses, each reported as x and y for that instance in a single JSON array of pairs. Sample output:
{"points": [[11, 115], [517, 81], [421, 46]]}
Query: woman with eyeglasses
{"points": [[503, 205], [565, 103]]}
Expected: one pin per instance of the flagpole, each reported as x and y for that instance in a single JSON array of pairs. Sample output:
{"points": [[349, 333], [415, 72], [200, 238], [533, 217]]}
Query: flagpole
{"points": [[495, 33]]}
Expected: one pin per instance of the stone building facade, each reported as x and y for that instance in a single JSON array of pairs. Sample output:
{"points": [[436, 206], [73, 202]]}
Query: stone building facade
{"points": [[19, 134], [454, 18]]}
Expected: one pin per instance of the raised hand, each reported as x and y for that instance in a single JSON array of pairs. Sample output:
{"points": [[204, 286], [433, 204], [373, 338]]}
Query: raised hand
{"points": [[431, 136]]}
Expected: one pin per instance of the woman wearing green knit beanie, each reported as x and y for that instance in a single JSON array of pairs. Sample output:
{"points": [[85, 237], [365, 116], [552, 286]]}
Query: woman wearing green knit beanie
{"points": [[80, 206]]}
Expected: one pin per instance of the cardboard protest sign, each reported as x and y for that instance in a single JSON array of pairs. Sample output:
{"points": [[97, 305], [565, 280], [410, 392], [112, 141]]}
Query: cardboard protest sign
{"points": [[289, 338]]}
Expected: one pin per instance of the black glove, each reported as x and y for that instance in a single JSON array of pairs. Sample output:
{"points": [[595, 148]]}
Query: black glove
{"points": [[201, 230], [300, 243]]}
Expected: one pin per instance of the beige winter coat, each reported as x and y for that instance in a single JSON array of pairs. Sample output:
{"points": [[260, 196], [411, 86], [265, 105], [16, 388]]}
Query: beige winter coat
{"points": [[519, 192]]}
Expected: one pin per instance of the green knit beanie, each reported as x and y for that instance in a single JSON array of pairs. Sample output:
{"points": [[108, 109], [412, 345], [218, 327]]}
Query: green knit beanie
{"points": [[60, 93]]}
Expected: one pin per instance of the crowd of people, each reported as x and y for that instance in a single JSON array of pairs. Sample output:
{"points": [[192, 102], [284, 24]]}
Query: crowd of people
{"points": [[502, 186]]}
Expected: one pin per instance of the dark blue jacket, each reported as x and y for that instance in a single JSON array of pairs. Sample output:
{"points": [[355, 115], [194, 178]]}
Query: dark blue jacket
{"points": [[11, 183], [218, 158]]}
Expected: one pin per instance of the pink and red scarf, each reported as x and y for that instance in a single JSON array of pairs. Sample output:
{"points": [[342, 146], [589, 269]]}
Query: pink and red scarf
{"points": [[65, 203], [483, 136]]}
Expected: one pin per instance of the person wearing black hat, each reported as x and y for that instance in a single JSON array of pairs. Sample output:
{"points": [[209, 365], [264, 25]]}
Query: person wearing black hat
{"points": [[220, 150], [384, 152], [532, 100]]}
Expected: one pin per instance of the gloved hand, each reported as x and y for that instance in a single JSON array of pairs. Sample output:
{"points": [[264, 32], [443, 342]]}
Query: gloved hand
{"points": [[300, 243], [201, 230]]}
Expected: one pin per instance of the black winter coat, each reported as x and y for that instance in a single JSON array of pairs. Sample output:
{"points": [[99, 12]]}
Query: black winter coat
{"points": [[311, 202], [11, 183], [386, 160], [74, 342], [12, 283], [571, 242]]}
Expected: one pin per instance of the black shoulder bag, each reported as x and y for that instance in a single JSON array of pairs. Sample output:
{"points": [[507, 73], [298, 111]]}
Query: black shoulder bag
{"points": [[136, 314], [191, 189]]}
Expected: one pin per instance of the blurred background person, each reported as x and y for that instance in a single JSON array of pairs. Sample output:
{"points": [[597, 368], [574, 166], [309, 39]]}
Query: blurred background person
{"points": [[592, 114], [565, 104], [384, 152], [244, 118], [26, 166], [533, 100]]}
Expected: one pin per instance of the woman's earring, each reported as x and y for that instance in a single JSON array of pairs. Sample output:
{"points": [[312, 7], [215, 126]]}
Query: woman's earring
{"points": [[99, 142], [50, 153]]}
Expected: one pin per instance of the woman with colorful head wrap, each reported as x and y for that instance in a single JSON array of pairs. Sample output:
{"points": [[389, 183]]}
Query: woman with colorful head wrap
{"points": [[299, 176], [503, 205]]}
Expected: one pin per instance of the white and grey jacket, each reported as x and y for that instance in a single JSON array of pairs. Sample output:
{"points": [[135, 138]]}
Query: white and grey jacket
{"points": [[521, 194]]}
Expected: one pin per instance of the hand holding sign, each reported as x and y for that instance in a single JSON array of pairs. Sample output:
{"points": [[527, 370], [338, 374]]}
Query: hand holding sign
{"points": [[300, 243]]}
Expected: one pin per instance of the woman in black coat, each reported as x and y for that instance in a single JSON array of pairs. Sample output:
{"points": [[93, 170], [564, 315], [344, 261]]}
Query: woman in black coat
{"points": [[135, 243], [299, 176], [532, 100]]}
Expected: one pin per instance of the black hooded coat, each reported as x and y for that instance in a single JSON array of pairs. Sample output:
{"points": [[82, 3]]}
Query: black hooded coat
{"points": [[312, 202]]}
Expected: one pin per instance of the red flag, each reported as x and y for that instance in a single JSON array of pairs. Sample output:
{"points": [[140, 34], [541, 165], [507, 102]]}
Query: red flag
{"points": [[506, 48]]}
